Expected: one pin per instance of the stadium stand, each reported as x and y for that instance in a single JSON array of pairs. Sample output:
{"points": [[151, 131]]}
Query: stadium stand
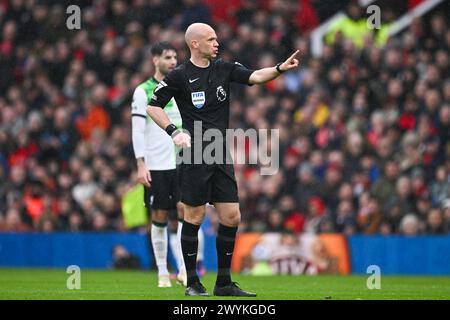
{"points": [[364, 129]]}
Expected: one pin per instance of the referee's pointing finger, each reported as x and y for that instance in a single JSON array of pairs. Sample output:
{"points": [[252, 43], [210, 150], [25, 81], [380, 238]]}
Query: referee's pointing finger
{"points": [[292, 57]]}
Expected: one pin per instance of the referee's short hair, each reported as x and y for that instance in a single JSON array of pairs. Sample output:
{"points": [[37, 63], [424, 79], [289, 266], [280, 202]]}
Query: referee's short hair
{"points": [[159, 47]]}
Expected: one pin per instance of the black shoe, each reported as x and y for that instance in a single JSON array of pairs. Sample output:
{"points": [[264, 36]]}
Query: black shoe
{"points": [[196, 289], [232, 290]]}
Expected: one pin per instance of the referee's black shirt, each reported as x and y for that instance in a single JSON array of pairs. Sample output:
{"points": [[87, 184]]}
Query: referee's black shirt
{"points": [[202, 94]]}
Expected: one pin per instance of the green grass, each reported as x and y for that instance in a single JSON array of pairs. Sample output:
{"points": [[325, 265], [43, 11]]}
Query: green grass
{"points": [[139, 285]]}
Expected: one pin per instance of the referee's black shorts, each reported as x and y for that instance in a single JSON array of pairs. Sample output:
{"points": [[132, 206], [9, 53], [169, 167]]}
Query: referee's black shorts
{"points": [[164, 192], [202, 183]]}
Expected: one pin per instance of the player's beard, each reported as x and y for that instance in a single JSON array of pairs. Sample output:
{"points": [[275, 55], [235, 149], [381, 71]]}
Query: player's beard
{"points": [[165, 70]]}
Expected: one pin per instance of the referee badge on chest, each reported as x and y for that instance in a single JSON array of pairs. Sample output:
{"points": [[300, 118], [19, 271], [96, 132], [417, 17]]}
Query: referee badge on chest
{"points": [[198, 99]]}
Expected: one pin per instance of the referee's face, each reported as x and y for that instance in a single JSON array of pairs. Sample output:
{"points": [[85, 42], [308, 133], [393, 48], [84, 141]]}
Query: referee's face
{"points": [[208, 46], [167, 61]]}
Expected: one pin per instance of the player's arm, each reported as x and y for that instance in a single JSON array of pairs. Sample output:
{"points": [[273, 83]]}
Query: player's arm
{"points": [[138, 119], [266, 74], [161, 96]]}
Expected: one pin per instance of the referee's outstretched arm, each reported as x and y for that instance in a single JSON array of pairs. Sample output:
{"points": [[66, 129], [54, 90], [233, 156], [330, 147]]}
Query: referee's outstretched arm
{"points": [[267, 74]]}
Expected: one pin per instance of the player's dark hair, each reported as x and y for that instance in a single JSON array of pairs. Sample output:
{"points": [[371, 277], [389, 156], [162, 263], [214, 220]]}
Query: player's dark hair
{"points": [[159, 47]]}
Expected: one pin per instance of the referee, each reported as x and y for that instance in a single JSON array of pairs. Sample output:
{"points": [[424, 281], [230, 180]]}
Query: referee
{"points": [[156, 163], [201, 88]]}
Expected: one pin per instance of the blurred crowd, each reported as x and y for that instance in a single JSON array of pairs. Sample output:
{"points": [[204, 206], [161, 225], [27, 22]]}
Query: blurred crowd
{"points": [[364, 132]]}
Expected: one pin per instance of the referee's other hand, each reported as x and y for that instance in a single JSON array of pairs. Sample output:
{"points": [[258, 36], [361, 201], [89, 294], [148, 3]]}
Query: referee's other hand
{"points": [[290, 62], [182, 140], [143, 176]]}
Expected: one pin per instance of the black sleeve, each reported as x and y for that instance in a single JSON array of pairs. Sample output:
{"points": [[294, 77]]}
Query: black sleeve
{"points": [[239, 73], [165, 90]]}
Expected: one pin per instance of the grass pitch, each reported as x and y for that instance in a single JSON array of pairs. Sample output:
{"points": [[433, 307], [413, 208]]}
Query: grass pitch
{"points": [[50, 284]]}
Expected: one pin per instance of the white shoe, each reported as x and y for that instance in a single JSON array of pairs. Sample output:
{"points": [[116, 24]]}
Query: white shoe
{"points": [[164, 282], [182, 278]]}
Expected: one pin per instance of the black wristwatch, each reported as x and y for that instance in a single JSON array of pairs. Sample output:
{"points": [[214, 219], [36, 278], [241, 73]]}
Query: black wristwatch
{"points": [[170, 129], [278, 67]]}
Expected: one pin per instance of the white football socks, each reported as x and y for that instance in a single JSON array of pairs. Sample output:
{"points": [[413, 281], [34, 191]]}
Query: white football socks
{"points": [[159, 244], [201, 245], [175, 245]]}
